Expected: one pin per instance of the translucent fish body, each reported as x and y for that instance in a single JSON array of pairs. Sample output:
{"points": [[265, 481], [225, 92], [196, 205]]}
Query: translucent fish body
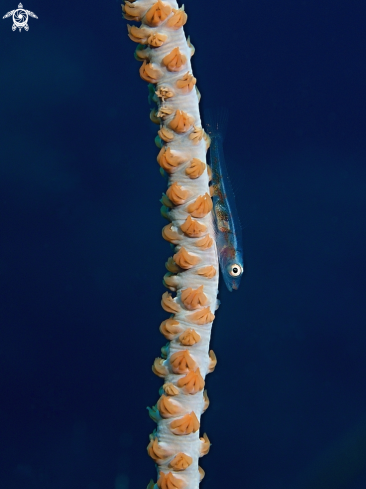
{"points": [[226, 220]]}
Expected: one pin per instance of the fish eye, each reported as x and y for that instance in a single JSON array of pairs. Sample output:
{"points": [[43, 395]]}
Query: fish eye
{"points": [[235, 270]]}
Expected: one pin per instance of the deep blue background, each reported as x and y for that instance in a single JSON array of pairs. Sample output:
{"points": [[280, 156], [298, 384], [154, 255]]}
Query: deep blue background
{"points": [[82, 259]]}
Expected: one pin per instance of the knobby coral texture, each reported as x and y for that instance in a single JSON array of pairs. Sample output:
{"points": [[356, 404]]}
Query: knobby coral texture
{"points": [[192, 277]]}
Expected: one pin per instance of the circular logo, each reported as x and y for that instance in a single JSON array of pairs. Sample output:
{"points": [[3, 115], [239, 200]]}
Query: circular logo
{"points": [[20, 18]]}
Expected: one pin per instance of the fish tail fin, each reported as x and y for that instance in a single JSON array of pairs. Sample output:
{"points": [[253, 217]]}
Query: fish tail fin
{"points": [[216, 121]]}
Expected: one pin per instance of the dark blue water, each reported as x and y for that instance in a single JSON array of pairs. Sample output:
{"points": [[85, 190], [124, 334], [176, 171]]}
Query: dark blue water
{"points": [[82, 259]]}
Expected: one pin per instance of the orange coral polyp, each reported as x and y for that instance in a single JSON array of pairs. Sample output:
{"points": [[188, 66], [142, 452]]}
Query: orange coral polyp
{"points": [[196, 135], [169, 160], [205, 445], [177, 194], [186, 425], [149, 73], [170, 328], [170, 389], [138, 34], [156, 452], [186, 83], [168, 407], [204, 243], [185, 260], [174, 61], [156, 39], [189, 337], [132, 11], [182, 362], [181, 122], [193, 228], [165, 134], [208, 272], [169, 481], [203, 316], [169, 304], [196, 168], [181, 461], [201, 206], [170, 235], [192, 382], [157, 13], [193, 298], [213, 361], [158, 368], [178, 19]]}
